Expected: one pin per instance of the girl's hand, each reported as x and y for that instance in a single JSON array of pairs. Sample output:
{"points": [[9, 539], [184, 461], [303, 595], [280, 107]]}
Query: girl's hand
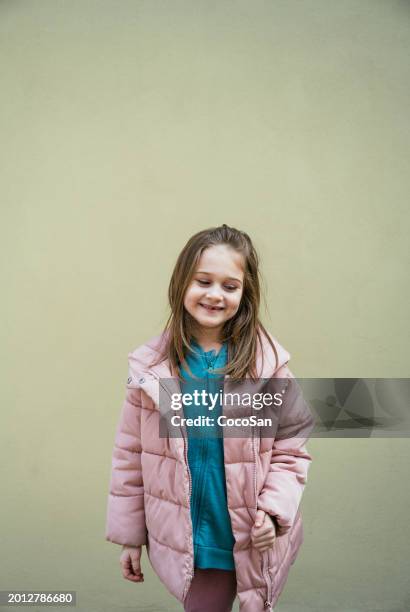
{"points": [[263, 533], [130, 563]]}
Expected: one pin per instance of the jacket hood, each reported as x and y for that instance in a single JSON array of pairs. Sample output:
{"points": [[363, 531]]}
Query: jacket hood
{"points": [[142, 357]]}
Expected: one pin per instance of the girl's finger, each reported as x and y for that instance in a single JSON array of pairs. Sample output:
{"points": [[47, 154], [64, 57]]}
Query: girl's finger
{"points": [[129, 575], [264, 544], [262, 530], [128, 572], [261, 538], [264, 548]]}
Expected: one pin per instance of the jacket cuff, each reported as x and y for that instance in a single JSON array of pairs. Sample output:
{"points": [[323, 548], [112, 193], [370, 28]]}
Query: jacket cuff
{"points": [[125, 523], [282, 523]]}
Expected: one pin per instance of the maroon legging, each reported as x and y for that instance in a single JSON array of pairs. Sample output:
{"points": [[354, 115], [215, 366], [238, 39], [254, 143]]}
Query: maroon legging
{"points": [[211, 590]]}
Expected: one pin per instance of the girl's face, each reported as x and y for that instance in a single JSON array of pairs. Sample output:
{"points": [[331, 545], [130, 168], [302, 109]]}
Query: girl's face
{"points": [[214, 293]]}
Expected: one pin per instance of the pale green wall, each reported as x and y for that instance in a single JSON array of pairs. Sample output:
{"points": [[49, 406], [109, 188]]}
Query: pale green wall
{"points": [[126, 127]]}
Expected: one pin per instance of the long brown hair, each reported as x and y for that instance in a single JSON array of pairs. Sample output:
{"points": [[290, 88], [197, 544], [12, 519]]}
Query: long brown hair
{"points": [[242, 331]]}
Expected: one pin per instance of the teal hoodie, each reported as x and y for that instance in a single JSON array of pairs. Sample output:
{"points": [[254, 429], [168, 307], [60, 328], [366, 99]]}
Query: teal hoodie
{"points": [[212, 529]]}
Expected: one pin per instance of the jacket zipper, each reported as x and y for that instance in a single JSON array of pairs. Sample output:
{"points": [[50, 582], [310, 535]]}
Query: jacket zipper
{"points": [[264, 555], [191, 570]]}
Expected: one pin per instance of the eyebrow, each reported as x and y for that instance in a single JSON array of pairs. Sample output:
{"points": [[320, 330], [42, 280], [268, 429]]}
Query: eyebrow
{"points": [[229, 277]]}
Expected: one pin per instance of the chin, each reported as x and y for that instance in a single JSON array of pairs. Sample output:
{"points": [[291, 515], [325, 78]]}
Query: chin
{"points": [[209, 324]]}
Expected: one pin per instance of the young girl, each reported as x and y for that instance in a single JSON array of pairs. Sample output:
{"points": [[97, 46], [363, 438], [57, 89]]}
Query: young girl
{"points": [[219, 516]]}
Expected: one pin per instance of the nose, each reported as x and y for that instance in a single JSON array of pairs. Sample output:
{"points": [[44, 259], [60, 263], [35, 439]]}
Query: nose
{"points": [[214, 293]]}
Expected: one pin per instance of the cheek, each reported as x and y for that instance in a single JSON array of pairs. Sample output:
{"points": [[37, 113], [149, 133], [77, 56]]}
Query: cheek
{"points": [[234, 302], [191, 296]]}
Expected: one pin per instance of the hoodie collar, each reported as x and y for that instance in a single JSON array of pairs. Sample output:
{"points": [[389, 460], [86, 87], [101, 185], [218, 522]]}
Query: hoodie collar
{"points": [[199, 355]]}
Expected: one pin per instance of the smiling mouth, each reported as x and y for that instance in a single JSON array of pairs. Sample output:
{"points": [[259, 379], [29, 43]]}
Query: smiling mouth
{"points": [[211, 308]]}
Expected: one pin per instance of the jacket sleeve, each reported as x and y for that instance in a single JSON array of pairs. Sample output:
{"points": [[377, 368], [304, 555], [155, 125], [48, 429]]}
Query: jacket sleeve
{"points": [[287, 476], [125, 519]]}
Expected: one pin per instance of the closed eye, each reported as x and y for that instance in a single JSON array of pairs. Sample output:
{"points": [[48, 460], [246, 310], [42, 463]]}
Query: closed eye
{"points": [[228, 287]]}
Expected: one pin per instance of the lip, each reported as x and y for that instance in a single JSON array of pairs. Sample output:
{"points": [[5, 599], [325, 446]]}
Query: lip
{"points": [[210, 308]]}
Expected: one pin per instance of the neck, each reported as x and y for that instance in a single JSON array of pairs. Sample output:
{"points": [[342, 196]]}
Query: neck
{"points": [[208, 338]]}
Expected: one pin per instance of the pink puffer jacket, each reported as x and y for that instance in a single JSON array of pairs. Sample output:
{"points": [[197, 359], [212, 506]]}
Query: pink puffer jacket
{"points": [[149, 496]]}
